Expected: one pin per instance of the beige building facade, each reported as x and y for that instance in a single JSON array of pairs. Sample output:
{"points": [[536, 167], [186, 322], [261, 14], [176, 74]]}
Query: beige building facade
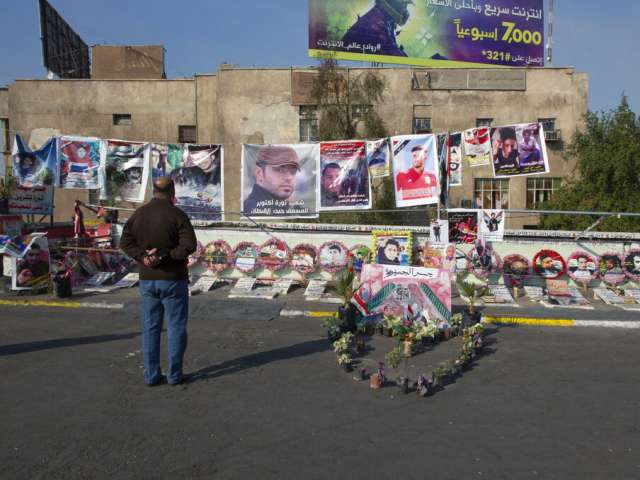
{"points": [[236, 106]]}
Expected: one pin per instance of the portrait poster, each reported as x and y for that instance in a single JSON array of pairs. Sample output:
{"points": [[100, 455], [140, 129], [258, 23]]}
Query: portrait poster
{"points": [[217, 256], [463, 225], [79, 162], [430, 256], [197, 172], [515, 269], [333, 256], [483, 260], [415, 170], [344, 176], [549, 264], [455, 159], [439, 232], [429, 33], [610, 268], [280, 181], [582, 267], [519, 150], [304, 258], [31, 268], [395, 290], [392, 247], [491, 226], [124, 170], [35, 168], [379, 158], [32, 200], [632, 264], [477, 146]]}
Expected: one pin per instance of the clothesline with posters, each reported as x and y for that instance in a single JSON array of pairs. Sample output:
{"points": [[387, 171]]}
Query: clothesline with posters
{"points": [[283, 180]]}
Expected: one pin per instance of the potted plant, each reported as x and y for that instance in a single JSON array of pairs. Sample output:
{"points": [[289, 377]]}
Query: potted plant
{"points": [[378, 379], [345, 361], [7, 186], [394, 357], [332, 324], [472, 292], [347, 313]]}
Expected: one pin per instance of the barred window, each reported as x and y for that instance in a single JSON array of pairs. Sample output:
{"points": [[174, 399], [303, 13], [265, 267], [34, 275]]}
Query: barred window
{"points": [[308, 123], [492, 193], [540, 190]]}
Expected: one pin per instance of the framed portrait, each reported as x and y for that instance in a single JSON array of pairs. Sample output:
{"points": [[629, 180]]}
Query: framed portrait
{"points": [[392, 247]]}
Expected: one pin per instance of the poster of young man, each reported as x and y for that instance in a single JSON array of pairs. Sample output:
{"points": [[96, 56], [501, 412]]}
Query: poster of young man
{"points": [[344, 176], [518, 150], [463, 226], [378, 158], [79, 162], [31, 269], [35, 168], [124, 170], [455, 159], [439, 232], [491, 225], [415, 170], [197, 172], [280, 181], [477, 146]]}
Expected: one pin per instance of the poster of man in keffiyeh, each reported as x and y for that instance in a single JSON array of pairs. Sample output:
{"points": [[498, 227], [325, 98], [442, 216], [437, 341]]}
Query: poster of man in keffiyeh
{"points": [[344, 181], [197, 171], [79, 162], [124, 170], [415, 170], [35, 168], [519, 150], [398, 290], [477, 146]]}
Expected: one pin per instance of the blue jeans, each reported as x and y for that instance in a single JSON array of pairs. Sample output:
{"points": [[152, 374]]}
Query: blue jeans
{"points": [[160, 298]]}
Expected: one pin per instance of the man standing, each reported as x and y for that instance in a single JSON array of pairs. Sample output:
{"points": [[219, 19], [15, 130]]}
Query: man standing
{"points": [[415, 183], [275, 174], [160, 237]]}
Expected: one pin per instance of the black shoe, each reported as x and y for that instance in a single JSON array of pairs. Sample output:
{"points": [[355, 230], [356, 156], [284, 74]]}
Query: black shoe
{"points": [[160, 381], [182, 381]]}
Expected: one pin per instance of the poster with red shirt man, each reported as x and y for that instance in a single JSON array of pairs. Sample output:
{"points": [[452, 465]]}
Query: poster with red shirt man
{"points": [[415, 170]]}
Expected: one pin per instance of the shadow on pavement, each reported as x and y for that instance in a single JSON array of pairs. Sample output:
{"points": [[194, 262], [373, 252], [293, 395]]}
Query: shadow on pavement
{"points": [[257, 359], [61, 343]]}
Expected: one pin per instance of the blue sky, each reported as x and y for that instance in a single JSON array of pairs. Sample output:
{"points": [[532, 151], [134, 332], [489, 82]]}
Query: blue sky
{"points": [[594, 36]]}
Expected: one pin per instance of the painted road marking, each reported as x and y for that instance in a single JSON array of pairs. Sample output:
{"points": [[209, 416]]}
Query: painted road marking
{"points": [[55, 304]]}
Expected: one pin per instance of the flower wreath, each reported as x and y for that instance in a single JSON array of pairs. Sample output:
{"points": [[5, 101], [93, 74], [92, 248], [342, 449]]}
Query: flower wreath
{"points": [[572, 267], [556, 257], [480, 271], [297, 262], [329, 266], [610, 277], [629, 267], [217, 256], [274, 255], [514, 277], [248, 250], [195, 256]]}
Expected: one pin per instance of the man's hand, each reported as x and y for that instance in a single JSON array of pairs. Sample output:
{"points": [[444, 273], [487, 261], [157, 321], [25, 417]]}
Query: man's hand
{"points": [[151, 260]]}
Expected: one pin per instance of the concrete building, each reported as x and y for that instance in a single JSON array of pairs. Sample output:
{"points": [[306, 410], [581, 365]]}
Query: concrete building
{"points": [[236, 106]]}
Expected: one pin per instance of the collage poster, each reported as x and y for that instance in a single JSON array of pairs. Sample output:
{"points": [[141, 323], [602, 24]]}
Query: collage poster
{"points": [[79, 162], [463, 226], [197, 172], [344, 177], [519, 150], [415, 170], [280, 181], [124, 168]]}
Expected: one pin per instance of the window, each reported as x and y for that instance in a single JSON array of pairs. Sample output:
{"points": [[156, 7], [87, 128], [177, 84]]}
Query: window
{"points": [[359, 111], [4, 135], [308, 124], [187, 134], [421, 125], [548, 124], [492, 193], [122, 119], [540, 190], [484, 122]]}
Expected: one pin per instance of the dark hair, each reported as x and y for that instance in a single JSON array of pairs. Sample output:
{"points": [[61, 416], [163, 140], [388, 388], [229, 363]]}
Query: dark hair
{"points": [[416, 149], [335, 247], [392, 241], [508, 133], [330, 165]]}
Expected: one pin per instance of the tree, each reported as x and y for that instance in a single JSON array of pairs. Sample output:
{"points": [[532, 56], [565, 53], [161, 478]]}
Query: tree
{"points": [[347, 110], [608, 173]]}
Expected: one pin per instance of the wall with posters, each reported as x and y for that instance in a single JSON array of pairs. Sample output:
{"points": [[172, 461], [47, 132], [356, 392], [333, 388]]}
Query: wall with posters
{"points": [[256, 106]]}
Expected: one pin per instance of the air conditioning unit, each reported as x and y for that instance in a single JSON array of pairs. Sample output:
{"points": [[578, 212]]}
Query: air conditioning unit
{"points": [[552, 135]]}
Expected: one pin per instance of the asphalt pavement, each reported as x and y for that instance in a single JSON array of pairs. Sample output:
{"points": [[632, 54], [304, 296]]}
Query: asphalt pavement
{"points": [[267, 400]]}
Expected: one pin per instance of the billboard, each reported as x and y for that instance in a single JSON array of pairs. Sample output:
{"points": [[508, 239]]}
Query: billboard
{"points": [[63, 51], [431, 33]]}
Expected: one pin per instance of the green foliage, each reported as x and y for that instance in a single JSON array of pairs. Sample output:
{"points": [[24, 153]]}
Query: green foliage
{"points": [[331, 322], [394, 357], [344, 288], [608, 173], [7, 185]]}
